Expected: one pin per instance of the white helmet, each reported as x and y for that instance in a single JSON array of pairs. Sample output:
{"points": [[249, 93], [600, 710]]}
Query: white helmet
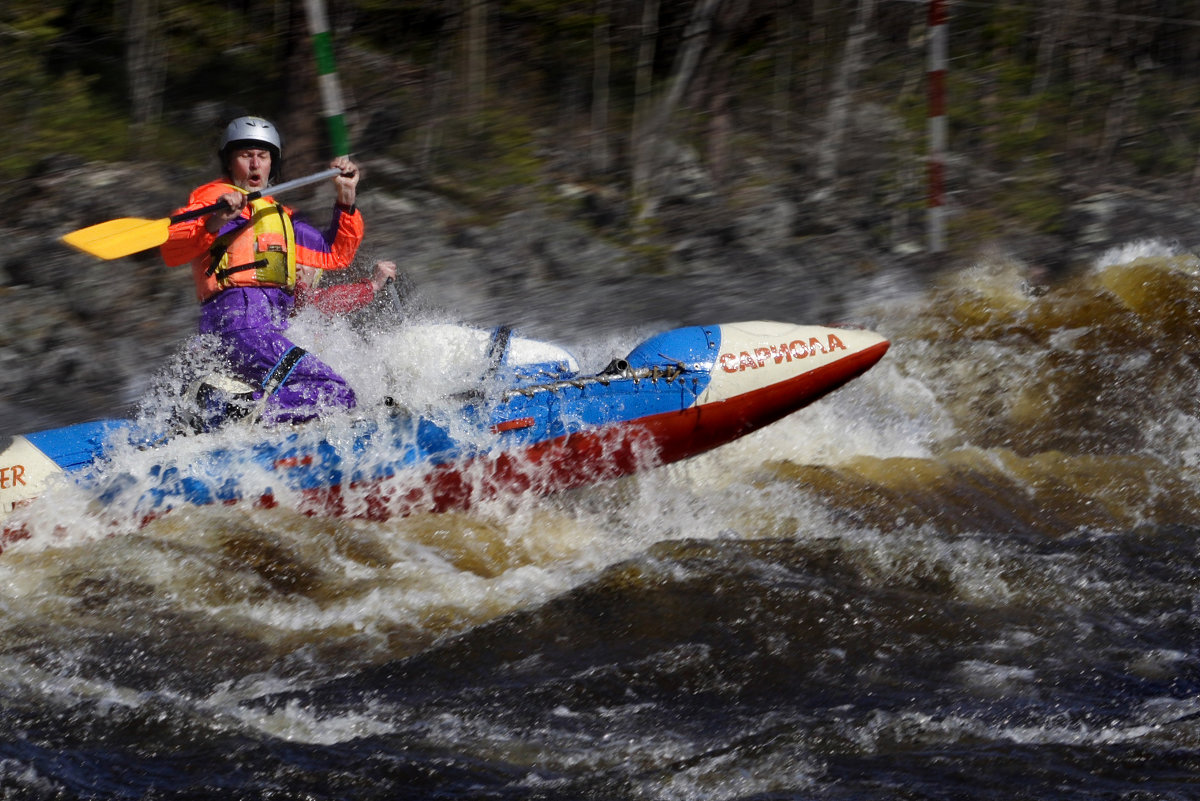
{"points": [[245, 131]]}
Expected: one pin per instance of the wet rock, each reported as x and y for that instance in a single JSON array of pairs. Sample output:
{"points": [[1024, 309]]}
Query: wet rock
{"points": [[1107, 219]]}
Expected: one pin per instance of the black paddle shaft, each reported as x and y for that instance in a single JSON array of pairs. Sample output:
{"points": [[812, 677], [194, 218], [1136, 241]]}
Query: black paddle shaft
{"points": [[274, 190]]}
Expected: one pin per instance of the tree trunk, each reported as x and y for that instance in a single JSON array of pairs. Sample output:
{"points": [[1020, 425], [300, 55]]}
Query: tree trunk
{"points": [[1119, 111], [301, 124], [786, 30], [818, 33], [720, 130], [476, 60], [441, 87], [841, 95], [145, 65], [1044, 67], [695, 37], [438, 88], [642, 83], [601, 68]]}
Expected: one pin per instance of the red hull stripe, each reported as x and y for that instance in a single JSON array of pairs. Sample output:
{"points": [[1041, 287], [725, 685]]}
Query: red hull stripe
{"points": [[513, 425]]}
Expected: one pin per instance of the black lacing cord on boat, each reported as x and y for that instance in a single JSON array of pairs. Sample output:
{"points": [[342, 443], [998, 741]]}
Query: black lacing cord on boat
{"points": [[498, 348], [495, 356]]}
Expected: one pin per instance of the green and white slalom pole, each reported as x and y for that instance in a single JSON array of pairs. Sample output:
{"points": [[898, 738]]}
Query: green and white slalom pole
{"points": [[334, 110]]}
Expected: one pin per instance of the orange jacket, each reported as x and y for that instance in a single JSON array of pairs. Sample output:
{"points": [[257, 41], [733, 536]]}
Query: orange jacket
{"points": [[191, 242]]}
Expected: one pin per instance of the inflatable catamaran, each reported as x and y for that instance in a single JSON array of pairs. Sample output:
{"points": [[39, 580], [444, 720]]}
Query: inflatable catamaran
{"points": [[533, 423]]}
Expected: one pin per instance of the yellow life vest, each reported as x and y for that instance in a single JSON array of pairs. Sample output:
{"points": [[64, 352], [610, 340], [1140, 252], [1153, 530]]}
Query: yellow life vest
{"points": [[260, 253]]}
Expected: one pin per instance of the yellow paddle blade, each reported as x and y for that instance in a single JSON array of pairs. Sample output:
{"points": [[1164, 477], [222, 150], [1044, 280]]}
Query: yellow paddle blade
{"points": [[117, 238]]}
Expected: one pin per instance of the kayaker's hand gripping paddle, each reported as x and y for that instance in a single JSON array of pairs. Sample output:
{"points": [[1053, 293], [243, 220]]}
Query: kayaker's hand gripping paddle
{"points": [[129, 235]]}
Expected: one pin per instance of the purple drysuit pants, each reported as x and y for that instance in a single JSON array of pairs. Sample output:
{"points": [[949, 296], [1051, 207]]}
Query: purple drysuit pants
{"points": [[250, 323]]}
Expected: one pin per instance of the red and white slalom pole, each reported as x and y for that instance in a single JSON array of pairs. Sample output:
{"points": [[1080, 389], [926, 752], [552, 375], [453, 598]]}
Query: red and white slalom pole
{"points": [[937, 124]]}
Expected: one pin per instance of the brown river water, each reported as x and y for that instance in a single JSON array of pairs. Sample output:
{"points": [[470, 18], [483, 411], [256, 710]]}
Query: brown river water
{"points": [[969, 574]]}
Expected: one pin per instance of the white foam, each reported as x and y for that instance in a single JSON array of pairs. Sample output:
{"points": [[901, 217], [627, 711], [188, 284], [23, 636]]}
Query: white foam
{"points": [[1132, 251], [296, 723]]}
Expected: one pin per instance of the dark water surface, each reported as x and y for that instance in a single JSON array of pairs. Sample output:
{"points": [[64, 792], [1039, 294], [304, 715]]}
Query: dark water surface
{"points": [[970, 574]]}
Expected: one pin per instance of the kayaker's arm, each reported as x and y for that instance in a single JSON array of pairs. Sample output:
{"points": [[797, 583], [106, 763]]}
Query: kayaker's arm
{"points": [[232, 205], [342, 298], [187, 240]]}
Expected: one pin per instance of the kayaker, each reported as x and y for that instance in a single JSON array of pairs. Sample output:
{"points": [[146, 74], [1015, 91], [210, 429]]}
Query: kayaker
{"points": [[245, 262]]}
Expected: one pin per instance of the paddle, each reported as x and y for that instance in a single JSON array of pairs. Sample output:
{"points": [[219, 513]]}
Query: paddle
{"points": [[399, 289], [129, 235]]}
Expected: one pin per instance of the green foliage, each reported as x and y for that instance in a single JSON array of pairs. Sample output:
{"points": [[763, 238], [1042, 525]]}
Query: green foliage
{"points": [[217, 52], [1031, 197], [1037, 116], [64, 119], [1161, 142], [501, 151], [44, 114], [1024, 129], [492, 160], [64, 89], [1007, 30]]}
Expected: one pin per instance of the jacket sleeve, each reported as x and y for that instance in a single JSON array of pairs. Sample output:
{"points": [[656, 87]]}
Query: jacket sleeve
{"points": [[187, 241], [335, 248], [335, 299]]}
